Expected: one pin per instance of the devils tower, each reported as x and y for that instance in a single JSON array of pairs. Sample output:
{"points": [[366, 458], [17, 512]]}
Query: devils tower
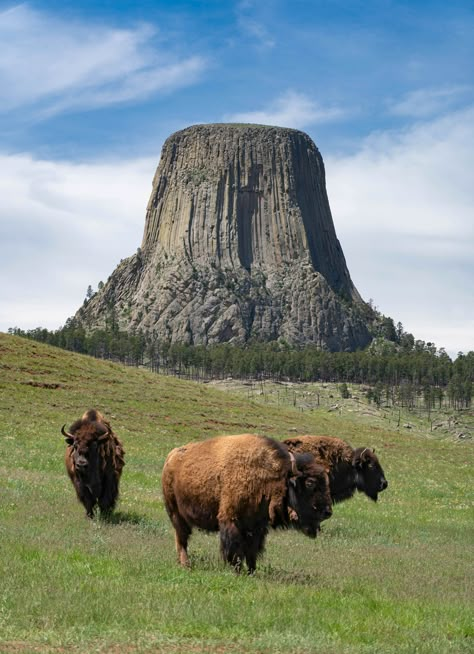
{"points": [[239, 244]]}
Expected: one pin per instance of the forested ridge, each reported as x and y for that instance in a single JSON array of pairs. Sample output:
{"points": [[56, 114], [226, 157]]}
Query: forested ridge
{"points": [[396, 368]]}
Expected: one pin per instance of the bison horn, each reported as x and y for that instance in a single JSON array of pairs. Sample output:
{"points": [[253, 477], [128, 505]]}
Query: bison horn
{"points": [[103, 437], [294, 467], [65, 433], [366, 449]]}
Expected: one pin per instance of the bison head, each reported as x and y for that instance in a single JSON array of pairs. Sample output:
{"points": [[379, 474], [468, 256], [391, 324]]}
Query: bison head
{"points": [[85, 440], [370, 478], [309, 495]]}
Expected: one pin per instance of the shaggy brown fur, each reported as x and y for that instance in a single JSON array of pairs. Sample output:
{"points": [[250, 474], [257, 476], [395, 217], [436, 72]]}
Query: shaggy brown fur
{"points": [[94, 460], [240, 485], [348, 469]]}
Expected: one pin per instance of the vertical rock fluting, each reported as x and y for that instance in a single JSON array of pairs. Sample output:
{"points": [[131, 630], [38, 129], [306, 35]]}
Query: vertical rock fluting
{"points": [[239, 243]]}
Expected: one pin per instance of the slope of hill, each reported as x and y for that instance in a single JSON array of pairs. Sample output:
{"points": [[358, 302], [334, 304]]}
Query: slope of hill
{"points": [[388, 577]]}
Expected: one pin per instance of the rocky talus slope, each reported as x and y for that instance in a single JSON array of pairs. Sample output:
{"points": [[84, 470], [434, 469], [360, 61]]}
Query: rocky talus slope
{"points": [[239, 244]]}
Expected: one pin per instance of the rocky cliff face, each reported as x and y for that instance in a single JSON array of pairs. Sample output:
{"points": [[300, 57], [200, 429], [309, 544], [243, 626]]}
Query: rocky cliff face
{"points": [[239, 243]]}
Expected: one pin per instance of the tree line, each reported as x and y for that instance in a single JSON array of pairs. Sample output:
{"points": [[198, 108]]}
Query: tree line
{"points": [[397, 371]]}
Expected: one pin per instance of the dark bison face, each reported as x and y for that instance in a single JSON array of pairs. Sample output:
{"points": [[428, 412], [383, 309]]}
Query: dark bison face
{"points": [[309, 495], [85, 441], [370, 478]]}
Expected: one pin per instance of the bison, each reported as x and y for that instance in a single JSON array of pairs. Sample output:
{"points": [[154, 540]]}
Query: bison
{"points": [[348, 469], [94, 460], [240, 486]]}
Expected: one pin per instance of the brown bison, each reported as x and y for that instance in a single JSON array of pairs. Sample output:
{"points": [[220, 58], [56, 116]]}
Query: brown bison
{"points": [[94, 461], [348, 469], [240, 486]]}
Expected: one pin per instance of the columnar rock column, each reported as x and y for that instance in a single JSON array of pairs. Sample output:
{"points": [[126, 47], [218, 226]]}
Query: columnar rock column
{"points": [[239, 244]]}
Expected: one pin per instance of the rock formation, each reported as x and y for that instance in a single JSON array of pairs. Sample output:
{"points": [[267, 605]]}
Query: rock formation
{"points": [[239, 244]]}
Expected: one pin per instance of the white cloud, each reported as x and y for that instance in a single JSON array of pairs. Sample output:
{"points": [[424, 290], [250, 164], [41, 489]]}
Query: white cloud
{"points": [[402, 207], [64, 226], [414, 183], [289, 110], [426, 103], [55, 65]]}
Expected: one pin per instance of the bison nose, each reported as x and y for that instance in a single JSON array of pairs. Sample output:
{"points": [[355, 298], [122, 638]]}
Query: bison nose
{"points": [[325, 513], [383, 484], [82, 464]]}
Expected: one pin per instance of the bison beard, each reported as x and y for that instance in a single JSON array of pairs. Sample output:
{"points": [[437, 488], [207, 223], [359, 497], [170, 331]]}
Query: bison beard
{"points": [[239, 486], [94, 460]]}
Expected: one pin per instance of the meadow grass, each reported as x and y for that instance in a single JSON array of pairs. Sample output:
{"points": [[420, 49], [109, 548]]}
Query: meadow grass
{"points": [[392, 577]]}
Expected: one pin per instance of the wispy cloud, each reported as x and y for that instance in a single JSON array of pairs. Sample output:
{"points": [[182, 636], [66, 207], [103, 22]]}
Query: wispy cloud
{"points": [[71, 224], [402, 207], [55, 65], [415, 182], [252, 27], [292, 109], [427, 103], [257, 31]]}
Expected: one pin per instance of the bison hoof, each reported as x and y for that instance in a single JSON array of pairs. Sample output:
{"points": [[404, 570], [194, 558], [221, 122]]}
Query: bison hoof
{"points": [[184, 562]]}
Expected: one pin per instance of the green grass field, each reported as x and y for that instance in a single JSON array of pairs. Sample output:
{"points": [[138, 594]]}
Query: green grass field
{"points": [[392, 577]]}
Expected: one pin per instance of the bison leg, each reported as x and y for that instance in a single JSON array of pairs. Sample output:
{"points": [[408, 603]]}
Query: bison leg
{"points": [[182, 533], [108, 499], [232, 545], [254, 545], [87, 499]]}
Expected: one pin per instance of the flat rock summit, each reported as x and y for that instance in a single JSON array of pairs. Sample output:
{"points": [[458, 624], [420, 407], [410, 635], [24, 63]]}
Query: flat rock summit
{"points": [[239, 244]]}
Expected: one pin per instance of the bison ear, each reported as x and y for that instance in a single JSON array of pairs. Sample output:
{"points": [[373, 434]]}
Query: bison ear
{"points": [[69, 438]]}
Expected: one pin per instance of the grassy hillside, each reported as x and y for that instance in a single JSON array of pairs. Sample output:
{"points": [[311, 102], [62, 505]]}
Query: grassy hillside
{"points": [[392, 577]]}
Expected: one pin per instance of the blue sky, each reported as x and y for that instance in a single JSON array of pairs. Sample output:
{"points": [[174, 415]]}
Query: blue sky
{"points": [[90, 90]]}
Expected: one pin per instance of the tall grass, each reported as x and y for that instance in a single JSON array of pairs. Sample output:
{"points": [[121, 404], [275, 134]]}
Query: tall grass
{"points": [[392, 577]]}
